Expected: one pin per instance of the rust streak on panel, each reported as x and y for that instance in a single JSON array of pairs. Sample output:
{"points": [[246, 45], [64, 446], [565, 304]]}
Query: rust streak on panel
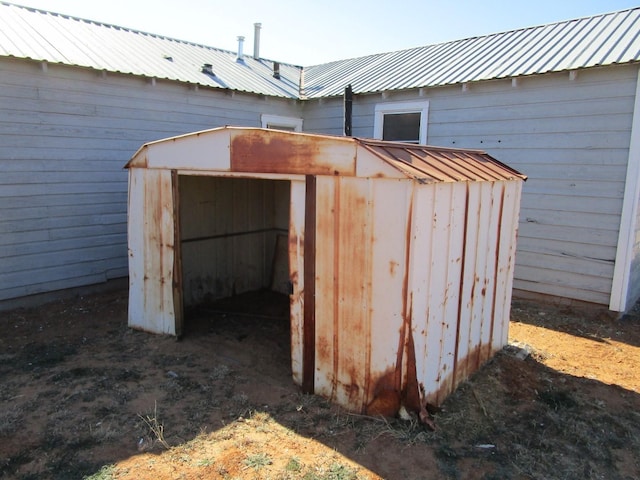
{"points": [[177, 255], [456, 352], [309, 328], [336, 284], [468, 363], [496, 276], [399, 385], [281, 152]]}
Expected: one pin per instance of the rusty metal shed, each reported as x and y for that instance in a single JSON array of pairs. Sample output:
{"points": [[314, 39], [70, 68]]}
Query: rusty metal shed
{"points": [[397, 258]]}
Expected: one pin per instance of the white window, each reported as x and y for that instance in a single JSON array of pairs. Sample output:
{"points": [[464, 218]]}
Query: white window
{"points": [[277, 122], [401, 122]]}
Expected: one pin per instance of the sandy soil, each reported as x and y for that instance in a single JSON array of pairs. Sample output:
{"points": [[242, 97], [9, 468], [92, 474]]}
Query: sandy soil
{"points": [[83, 396]]}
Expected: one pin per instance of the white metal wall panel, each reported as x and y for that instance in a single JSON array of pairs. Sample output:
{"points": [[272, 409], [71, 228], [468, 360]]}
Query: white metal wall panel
{"points": [[506, 261], [390, 303], [151, 251], [447, 219], [296, 274], [343, 246]]}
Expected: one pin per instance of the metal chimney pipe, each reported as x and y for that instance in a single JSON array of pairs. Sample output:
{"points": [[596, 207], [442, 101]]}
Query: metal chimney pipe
{"points": [[256, 40], [240, 44]]}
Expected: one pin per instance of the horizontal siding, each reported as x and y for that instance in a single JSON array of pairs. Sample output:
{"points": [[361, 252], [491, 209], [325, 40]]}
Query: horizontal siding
{"points": [[65, 135], [570, 137]]}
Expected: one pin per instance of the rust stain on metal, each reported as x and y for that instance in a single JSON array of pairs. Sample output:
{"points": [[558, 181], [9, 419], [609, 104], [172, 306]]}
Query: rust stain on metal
{"points": [[393, 266], [267, 151], [178, 304], [309, 327], [468, 364], [399, 385]]}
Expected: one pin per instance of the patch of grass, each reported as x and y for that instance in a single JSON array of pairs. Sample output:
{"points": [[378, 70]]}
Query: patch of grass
{"points": [[107, 472], [336, 471], [155, 426], [205, 462], [257, 461], [293, 465]]}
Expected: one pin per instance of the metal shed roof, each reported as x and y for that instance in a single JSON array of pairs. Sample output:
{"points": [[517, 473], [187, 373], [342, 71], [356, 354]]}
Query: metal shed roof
{"points": [[258, 150], [606, 39]]}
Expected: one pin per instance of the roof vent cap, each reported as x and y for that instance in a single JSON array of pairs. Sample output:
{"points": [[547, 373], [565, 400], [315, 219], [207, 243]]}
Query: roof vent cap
{"points": [[208, 69], [239, 57]]}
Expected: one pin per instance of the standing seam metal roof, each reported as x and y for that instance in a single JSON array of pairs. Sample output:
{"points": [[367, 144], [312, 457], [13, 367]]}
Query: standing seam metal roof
{"points": [[606, 39], [55, 38]]}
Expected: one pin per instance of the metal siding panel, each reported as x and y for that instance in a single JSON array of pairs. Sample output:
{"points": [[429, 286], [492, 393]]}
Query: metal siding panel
{"points": [[422, 244], [327, 245], [296, 274], [155, 247], [353, 254], [482, 256], [196, 151], [508, 243], [465, 355], [389, 296], [488, 290], [453, 233], [436, 293], [136, 227]]}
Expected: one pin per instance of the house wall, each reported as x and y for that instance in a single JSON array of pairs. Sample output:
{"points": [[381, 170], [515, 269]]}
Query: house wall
{"points": [[65, 134], [570, 136]]}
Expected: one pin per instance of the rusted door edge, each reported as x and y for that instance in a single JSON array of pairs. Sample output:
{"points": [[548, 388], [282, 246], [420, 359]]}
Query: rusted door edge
{"points": [[309, 321]]}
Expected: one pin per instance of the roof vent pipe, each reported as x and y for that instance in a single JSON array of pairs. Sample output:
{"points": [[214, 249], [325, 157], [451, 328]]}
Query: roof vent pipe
{"points": [[240, 54], [256, 40], [276, 70]]}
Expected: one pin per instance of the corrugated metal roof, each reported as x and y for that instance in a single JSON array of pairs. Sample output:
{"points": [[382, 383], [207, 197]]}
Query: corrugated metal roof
{"points": [[45, 36], [429, 164], [606, 39]]}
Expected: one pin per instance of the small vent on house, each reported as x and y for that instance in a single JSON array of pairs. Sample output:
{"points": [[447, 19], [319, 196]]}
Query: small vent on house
{"points": [[276, 70], [256, 40], [168, 58], [208, 69], [239, 57]]}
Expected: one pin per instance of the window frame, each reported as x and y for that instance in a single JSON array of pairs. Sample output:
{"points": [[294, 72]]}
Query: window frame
{"points": [[389, 108], [275, 121]]}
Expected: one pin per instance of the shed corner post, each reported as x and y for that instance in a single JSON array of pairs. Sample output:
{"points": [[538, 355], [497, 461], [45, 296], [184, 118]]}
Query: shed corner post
{"points": [[309, 321], [178, 305]]}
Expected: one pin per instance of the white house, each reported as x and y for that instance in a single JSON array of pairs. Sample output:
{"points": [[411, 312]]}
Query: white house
{"points": [[557, 102]]}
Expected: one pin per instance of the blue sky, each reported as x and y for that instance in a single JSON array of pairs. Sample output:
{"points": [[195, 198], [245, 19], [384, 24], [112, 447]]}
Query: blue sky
{"points": [[308, 33]]}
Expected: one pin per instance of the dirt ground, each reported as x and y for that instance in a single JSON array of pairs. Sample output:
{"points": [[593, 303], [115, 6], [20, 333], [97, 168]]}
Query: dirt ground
{"points": [[83, 396]]}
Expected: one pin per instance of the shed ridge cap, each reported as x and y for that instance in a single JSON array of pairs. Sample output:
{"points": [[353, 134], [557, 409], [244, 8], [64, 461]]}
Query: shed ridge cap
{"points": [[414, 146]]}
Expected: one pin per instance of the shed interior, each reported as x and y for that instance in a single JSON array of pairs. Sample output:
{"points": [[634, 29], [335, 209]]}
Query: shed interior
{"points": [[233, 238]]}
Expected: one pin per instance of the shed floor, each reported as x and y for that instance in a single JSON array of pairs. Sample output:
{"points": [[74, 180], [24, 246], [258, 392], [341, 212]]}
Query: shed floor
{"points": [[265, 304]]}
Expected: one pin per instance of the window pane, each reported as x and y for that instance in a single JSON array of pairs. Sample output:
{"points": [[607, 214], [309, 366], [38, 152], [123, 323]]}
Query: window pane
{"points": [[401, 127]]}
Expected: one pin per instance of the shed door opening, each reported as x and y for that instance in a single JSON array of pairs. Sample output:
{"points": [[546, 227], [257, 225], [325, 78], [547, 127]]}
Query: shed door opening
{"points": [[234, 245]]}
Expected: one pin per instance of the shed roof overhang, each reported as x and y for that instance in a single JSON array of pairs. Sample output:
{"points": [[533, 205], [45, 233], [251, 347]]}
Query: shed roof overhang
{"points": [[264, 151]]}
